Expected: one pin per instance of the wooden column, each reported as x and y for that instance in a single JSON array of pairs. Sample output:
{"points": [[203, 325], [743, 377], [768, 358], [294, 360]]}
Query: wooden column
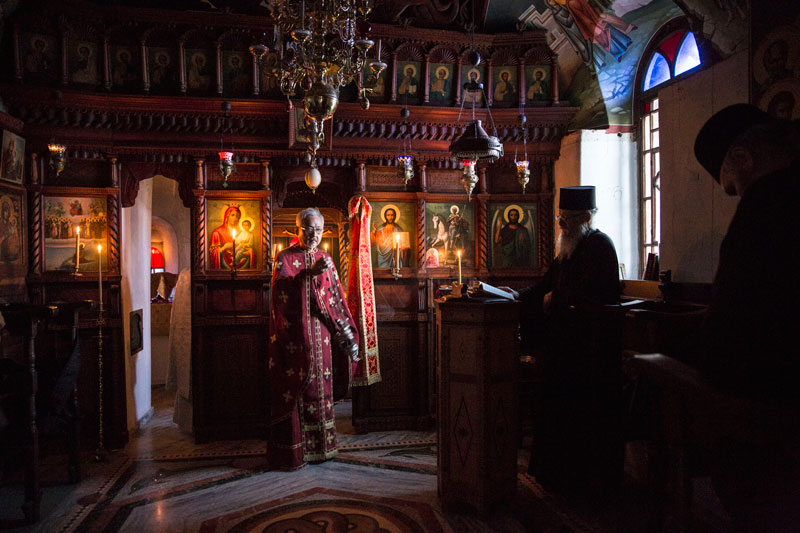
{"points": [[423, 176], [114, 171], [256, 76], [426, 79], [554, 79], [489, 83], [457, 76], [361, 176], [106, 64], [199, 174], [182, 65], [218, 46], [265, 173], [145, 73], [17, 55], [64, 48]]}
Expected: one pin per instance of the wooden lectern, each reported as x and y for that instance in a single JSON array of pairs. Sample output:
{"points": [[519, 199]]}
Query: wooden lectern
{"points": [[478, 354]]}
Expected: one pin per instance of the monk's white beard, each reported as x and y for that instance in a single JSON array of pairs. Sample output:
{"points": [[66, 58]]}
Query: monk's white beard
{"points": [[567, 244]]}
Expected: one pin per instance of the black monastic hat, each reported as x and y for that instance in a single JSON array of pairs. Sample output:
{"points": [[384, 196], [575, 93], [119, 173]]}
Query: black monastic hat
{"points": [[721, 130], [577, 198]]}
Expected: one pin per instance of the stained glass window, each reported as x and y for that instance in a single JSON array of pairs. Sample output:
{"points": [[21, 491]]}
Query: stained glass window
{"points": [[657, 72], [688, 55], [675, 54]]}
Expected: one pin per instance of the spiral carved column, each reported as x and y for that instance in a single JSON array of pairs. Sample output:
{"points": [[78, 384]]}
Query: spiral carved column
{"points": [[35, 222], [113, 233], [344, 251], [483, 237], [421, 246], [199, 216], [266, 231]]}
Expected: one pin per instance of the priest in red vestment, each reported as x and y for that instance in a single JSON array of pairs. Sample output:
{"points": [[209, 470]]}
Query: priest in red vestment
{"points": [[307, 371]]}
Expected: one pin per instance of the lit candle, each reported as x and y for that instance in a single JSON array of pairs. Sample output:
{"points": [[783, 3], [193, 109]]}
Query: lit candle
{"points": [[77, 247], [100, 272], [459, 266], [326, 247], [397, 248], [233, 236]]}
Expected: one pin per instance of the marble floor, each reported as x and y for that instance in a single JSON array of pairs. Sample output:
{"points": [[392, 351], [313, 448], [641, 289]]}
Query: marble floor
{"points": [[381, 481]]}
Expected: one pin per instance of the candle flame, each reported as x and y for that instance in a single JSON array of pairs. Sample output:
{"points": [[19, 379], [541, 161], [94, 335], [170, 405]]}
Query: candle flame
{"points": [[325, 246], [280, 247], [397, 238], [78, 230], [233, 233], [99, 248], [459, 253]]}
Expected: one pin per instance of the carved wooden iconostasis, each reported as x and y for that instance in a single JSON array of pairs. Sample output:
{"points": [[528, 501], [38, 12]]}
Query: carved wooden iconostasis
{"points": [[132, 96]]}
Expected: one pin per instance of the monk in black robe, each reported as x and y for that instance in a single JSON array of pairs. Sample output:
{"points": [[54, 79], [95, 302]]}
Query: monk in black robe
{"points": [[751, 325], [567, 323]]}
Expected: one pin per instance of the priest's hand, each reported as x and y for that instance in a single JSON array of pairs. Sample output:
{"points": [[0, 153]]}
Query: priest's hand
{"points": [[321, 265], [547, 301], [511, 291]]}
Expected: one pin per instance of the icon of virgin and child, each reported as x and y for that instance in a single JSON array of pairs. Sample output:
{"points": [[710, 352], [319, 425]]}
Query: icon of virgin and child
{"points": [[234, 234], [387, 237]]}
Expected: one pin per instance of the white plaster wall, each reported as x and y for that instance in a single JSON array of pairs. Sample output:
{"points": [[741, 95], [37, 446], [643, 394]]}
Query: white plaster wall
{"points": [[136, 295], [695, 210], [567, 168], [167, 205], [609, 163]]}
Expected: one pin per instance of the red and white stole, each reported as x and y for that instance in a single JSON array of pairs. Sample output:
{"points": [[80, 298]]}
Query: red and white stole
{"points": [[361, 293]]}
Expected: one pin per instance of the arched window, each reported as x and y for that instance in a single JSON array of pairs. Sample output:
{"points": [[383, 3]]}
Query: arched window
{"points": [[156, 260], [671, 54]]}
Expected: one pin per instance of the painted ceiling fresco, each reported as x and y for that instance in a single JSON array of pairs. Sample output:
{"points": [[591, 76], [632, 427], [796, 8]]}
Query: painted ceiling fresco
{"points": [[599, 42]]}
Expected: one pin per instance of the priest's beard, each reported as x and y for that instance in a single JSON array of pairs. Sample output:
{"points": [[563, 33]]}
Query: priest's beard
{"points": [[568, 243]]}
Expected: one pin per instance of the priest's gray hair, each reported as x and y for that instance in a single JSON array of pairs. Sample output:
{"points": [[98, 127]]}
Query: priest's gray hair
{"points": [[307, 213], [592, 213]]}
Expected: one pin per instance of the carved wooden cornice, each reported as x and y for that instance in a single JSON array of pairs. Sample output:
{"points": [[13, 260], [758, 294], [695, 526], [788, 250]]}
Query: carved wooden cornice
{"points": [[7, 122], [174, 129]]}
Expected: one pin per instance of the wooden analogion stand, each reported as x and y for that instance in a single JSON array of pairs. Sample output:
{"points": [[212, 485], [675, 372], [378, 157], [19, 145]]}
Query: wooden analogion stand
{"points": [[478, 354]]}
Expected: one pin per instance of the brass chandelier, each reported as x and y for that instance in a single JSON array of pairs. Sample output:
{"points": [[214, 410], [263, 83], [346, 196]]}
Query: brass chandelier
{"points": [[323, 46]]}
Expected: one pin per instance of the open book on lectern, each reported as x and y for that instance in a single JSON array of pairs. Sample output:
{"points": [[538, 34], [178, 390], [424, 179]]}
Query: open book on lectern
{"points": [[489, 291]]}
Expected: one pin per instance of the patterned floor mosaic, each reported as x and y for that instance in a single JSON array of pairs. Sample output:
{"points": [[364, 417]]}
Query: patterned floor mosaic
{"points": [[382, 482]]}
